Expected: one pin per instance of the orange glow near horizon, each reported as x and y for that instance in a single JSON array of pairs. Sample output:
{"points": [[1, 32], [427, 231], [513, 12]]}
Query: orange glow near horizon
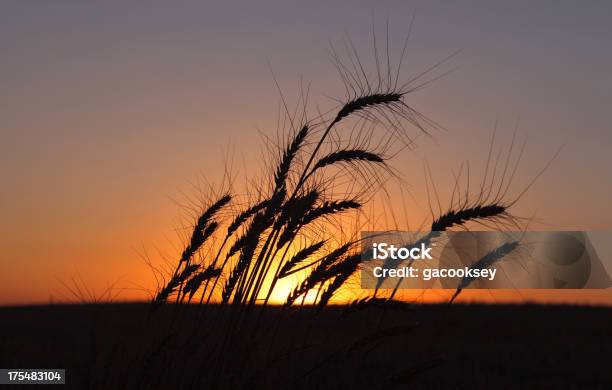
{"points": [[94, 248], [98, 238]]}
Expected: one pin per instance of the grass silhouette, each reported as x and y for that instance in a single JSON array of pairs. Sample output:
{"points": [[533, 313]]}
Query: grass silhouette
{"points": [[288, 230]]}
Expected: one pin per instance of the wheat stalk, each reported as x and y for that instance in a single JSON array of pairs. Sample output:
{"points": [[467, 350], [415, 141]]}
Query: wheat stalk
{"points": [[299, 257]]}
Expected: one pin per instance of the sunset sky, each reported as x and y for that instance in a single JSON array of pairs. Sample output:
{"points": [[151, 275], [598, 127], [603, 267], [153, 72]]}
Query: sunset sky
{"points": [[112, 113]]}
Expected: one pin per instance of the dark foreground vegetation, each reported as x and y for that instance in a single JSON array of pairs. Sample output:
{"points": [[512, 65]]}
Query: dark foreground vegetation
{"points": [[119, 346]]}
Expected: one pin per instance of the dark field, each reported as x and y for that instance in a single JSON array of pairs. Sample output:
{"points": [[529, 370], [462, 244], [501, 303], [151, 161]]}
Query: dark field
{"points": [[119, 346]]}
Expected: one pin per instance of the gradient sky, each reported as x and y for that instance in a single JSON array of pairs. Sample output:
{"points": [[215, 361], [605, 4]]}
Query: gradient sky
{"points": [[109, 113]]}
